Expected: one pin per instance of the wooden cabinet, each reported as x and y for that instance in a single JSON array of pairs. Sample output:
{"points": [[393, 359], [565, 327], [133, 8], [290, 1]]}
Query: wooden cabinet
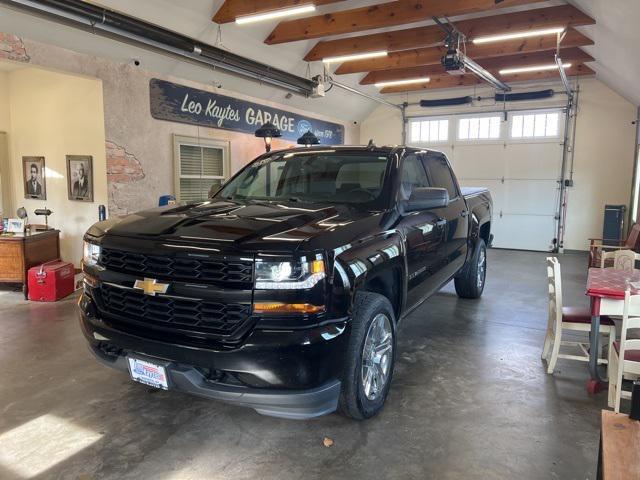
{"points": [[20, 252]]}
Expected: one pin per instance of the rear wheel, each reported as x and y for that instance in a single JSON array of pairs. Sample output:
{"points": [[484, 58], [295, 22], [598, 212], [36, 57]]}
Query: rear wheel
{"points": [[370, 358], [470, 283]]}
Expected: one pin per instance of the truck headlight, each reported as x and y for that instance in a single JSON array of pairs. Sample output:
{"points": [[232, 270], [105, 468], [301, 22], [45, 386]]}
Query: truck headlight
{"points": [[289, 275], [91, 253]]}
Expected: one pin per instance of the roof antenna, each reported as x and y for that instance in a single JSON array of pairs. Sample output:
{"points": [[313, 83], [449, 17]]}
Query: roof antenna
{"points": [[371, 144]]}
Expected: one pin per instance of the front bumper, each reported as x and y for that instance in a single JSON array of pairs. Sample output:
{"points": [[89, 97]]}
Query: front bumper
{"points": [[284, 373], [291, 404]]}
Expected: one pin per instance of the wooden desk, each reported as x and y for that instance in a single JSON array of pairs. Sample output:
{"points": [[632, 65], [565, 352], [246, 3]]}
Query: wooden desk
{"points": [[21, 251], [619, 447]]}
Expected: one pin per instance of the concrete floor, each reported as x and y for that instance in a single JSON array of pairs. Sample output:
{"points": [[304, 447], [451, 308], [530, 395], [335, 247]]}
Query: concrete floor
{"points": [[469, 399]]}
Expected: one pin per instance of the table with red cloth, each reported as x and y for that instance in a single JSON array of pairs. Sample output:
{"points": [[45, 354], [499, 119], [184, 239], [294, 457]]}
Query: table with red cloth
{"points": [[606, 287]]}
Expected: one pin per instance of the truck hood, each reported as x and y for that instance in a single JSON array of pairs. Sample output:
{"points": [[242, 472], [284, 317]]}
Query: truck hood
{"points": [[245, 226]]}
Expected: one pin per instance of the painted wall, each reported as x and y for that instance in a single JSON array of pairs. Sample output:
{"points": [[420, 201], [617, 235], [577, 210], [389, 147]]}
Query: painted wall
{"points": [[140, 163], [604, 158], [604, 148], [5, 118], [54, 115], [5, 125]]}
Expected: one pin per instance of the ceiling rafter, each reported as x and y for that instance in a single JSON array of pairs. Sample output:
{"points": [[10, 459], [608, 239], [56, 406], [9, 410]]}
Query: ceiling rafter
{"points": [[231, 9], [449, 81], [564, 15], [573, 55], [432, 55], [379, 16]]}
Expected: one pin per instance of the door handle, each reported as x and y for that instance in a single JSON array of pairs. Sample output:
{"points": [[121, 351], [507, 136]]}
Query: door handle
{"points": [[464, 213]]}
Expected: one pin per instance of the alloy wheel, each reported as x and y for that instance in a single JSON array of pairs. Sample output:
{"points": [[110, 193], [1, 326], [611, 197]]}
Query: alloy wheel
{"points": [[377, 355]]}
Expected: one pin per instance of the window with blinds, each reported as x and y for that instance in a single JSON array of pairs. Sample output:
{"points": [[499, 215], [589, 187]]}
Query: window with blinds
{"points": [[200, 165]]}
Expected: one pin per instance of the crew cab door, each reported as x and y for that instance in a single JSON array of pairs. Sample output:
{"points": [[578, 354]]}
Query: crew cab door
{"points": [[424, 232], [455, 242]]}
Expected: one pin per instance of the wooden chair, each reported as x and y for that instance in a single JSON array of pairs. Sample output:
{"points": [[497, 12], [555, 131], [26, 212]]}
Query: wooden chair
{"points": [[563, 318], [627, 349], [622, 259], [597, 246]]}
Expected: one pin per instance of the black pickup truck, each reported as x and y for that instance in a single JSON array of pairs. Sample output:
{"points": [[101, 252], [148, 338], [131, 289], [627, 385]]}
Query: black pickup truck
{"points": [[284, 291]]}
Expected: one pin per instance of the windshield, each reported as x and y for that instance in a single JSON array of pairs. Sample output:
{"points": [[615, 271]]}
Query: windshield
{"points": [[335, 177]]}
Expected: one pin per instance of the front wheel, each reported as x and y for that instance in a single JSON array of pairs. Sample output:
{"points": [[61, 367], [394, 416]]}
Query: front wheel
{"points": [[371, 357], [470, 283]]}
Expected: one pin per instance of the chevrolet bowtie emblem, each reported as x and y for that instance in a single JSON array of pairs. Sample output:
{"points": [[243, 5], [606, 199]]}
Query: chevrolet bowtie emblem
{"points": [[150, 286]]}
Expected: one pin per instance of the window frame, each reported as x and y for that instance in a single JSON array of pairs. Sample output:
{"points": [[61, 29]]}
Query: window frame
{"points": [[545, 139], [179, 140], [430, 119], [466, 141]]}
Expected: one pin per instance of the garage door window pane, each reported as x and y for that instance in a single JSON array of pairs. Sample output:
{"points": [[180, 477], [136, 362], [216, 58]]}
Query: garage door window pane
{"points": [[516, 126], [494, 128], [540, 125], [430, 131], [473, 127], [443, 134], [479, 128], [424, 131], [528, 123], [415, 131], [463, 129], [535, 125], [483, 131], [552, 125]]}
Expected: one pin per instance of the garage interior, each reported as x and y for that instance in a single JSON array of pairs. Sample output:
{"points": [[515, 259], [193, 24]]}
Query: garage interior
{"points": [[94, 109]]}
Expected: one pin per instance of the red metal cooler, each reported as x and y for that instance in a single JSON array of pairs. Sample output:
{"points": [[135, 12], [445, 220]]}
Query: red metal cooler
{"points": [[51, 281]]}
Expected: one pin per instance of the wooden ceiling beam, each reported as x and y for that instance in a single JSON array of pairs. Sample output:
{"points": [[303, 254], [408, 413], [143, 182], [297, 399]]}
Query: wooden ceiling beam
{"points": [[564, 15], [449, 81], [573, 55], [231, 9], [432, 55], [379, 16]]}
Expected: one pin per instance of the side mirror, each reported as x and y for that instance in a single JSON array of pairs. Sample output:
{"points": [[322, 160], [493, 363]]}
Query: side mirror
{"points": [[426, 198]]}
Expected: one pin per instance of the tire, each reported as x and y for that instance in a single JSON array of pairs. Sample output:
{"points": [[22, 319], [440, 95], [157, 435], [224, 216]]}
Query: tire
{"points": [[356, 400], [470, 283]]}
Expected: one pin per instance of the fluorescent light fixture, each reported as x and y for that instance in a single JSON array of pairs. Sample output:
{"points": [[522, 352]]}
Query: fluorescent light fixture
{"points": [[403, 82], [285, 12], [515, 35], [357, 56], [535, 68]]}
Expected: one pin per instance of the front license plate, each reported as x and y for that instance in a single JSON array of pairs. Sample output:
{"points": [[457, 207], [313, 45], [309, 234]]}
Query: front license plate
{"points": [[148, 373]]}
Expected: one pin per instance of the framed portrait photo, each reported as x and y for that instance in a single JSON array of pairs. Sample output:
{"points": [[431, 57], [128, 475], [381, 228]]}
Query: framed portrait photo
{"points": [[35, 182], [80, 177]]}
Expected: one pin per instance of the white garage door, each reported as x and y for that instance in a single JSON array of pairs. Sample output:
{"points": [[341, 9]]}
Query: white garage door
{"points": [[519, 161]]}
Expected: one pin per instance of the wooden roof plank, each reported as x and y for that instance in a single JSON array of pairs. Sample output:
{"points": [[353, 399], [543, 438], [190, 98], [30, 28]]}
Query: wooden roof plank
{"points": [[564, 15], [449, 81], [570, 55], [432, 55], [231, 9], [379, 16]]}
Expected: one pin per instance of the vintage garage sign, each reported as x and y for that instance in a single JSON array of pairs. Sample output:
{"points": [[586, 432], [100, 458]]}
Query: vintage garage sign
{"points": [[177, 103]]}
